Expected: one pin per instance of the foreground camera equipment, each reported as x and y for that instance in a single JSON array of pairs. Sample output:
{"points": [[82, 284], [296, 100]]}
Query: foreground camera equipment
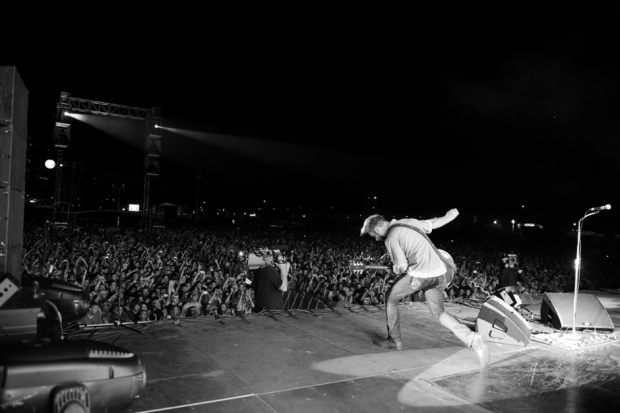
{"points": [[68, 376], [256, 259], [38, 372], [71, 300]]}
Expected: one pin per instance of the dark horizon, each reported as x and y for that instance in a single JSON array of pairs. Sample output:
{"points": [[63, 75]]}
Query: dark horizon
{"points": [[482, 112]]}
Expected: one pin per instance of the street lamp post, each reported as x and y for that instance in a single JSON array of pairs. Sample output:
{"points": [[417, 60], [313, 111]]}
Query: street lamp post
{"points": [[68, 210], [58, 181], [118, 207], [197, 197]]}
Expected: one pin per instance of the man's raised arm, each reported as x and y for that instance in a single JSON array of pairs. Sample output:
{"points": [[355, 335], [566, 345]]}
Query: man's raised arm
{"points": [[284, 269], [441, 221]]}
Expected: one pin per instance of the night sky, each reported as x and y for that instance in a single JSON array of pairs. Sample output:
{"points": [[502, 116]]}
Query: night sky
{"points": [[427, 109]]}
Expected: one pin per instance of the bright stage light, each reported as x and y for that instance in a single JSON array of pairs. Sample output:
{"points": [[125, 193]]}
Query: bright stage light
{"points": [[50, 164], [79, 116]]}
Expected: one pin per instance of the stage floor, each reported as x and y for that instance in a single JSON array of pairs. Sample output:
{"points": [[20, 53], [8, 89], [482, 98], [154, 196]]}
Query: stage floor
{"points": [[326, 362]]}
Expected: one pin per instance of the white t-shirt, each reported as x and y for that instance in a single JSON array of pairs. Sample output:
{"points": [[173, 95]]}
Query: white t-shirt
{"points": [[411, 252]]}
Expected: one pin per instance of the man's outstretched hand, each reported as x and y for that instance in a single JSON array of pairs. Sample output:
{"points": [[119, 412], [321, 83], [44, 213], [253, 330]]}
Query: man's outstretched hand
{"points": [[452, 214]]}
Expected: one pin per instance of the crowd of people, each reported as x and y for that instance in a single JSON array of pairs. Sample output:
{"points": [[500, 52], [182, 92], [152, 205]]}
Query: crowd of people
{"points": [[189, 271]]}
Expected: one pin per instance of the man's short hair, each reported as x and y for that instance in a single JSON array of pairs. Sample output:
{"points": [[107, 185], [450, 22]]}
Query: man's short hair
{"points": [[370, 223]]}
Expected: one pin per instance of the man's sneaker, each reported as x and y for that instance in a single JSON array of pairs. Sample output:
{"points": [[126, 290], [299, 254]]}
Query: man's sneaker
{"points": [[481, 349], [388, 343]]}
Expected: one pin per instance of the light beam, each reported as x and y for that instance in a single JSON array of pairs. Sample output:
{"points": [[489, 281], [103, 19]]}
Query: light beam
{"points": [[127, 130], [306, 158]]}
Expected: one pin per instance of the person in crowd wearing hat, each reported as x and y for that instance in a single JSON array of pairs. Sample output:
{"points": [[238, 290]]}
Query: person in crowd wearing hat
{"points": [[418, 267]]}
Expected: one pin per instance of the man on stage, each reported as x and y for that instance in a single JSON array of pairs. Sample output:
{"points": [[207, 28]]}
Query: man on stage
{"points": [[511, 273], [418, 267], [269, 283]]}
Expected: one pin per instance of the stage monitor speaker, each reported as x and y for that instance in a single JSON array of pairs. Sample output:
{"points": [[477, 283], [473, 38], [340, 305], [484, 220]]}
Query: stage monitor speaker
{"points": [[13, 135], [557, 310], [500, 323]]}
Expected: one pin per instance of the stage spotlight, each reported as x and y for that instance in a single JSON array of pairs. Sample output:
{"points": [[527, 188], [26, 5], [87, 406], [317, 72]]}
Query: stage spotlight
{"points": [[63, 118], [50, 164]]}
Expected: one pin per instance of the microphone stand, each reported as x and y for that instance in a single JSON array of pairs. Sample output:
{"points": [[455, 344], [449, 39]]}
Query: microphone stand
{"points": [[578, 266]]}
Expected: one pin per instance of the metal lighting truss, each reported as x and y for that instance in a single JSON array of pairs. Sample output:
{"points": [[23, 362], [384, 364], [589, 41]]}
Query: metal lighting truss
{"points": [[110, 109]]}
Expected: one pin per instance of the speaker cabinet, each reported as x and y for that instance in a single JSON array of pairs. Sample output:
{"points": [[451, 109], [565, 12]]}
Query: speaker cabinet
{"points": [[13, 132], [557, 310], [498, 322]]}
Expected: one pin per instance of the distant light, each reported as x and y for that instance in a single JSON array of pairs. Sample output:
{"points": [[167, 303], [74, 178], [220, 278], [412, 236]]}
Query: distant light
{"points": [[156, 126], [495, 222], [50, 164], [522, 206], [513, 221], [375, 197]]}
